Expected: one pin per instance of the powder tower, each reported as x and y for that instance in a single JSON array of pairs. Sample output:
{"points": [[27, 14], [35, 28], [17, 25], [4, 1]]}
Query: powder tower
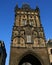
{"points": [[28, 44]]}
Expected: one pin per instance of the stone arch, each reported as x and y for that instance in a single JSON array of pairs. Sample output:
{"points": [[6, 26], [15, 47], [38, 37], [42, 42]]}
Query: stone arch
{"points": [[29, 54]]}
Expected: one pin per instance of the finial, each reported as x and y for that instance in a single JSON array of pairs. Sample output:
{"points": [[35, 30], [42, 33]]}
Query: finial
{"points": [[16, 7], [37, 9]]}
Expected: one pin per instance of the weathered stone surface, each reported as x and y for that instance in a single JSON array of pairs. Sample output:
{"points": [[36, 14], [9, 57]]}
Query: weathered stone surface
{"points": [[28, 38]]}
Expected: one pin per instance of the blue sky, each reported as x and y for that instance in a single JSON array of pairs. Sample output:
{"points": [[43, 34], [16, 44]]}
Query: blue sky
{"points": [[7, 19]]}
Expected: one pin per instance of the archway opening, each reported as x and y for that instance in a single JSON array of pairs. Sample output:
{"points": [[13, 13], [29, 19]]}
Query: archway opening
{"points": [[29, 60]]}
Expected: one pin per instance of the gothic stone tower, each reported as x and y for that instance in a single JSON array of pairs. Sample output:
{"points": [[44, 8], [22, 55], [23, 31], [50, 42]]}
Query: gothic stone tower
{"points": [[2, 53], [28, 44]]}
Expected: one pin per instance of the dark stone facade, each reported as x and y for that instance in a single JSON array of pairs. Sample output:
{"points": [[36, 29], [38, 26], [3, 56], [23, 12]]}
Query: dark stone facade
{"points": [[2, 53]]}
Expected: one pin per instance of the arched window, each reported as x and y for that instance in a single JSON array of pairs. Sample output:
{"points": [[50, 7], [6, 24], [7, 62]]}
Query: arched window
{"points": [[15, 40], [51, 51], [22, 40], [35, 33], [41, 34], [31, 22], [24, 22]]}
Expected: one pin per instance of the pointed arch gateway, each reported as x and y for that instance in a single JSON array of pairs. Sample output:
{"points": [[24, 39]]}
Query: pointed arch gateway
{"points": [[30, 59]]}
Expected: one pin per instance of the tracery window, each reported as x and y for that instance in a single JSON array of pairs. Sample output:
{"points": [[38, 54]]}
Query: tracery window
{"points": [[24, 22], [22, 40], [35, 33], [31, 22], [41, 34]]}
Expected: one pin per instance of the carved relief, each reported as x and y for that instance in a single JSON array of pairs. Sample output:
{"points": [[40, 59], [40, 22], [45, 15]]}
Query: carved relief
{"points": [[28, 28], [35, 42], [15, 40], [38, 21]]}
